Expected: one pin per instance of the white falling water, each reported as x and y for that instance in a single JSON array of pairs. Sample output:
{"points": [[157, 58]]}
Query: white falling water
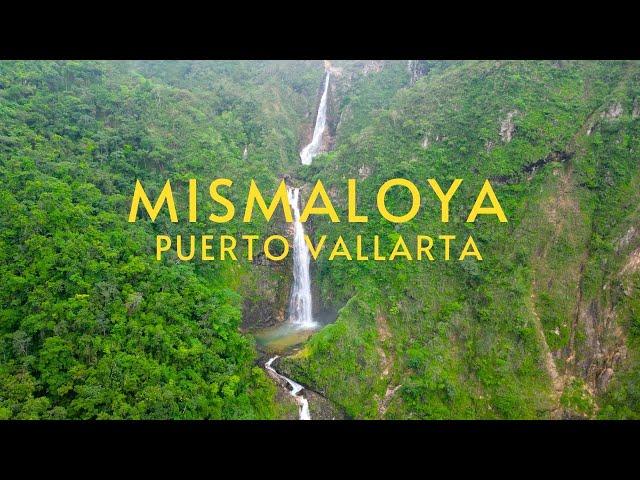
{"points": [[310, 151], [300, 301], [295, 392]]}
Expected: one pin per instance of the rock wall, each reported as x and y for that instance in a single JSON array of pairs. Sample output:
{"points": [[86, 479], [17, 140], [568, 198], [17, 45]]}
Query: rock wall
{"points": [[267, 287]]}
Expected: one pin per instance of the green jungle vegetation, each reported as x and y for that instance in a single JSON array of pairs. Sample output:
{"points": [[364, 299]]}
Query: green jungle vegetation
{"points": [[546, 326]]}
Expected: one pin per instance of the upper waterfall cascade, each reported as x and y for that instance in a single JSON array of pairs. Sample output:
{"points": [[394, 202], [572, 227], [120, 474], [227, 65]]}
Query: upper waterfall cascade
{"points": [[313, 149]]}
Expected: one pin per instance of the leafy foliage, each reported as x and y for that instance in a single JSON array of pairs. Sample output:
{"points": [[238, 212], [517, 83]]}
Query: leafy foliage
{"points": [[91, 326]]}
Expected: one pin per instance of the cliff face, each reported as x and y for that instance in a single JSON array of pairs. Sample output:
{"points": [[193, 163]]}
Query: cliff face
{"points": [[266, 293], [417, 69], [267, 287], [93, 326]]}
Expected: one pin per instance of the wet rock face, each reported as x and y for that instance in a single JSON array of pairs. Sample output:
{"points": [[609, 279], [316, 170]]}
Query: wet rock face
{"points": [[373, 66], [603, 348], [266, 300], [322, 409], [604, 378], [626, 239], [507, 127], [335, 71], [614, 111], [332, 115], [364, 171], [416, 69], [429, 139]]}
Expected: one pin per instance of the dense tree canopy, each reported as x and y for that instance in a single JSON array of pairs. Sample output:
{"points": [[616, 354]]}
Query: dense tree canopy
{"points": [[92, 326]]}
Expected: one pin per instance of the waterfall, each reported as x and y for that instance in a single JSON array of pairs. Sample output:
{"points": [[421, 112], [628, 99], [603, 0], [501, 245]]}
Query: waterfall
{"points": [[300, 301], [310, 151], [295, 392]]}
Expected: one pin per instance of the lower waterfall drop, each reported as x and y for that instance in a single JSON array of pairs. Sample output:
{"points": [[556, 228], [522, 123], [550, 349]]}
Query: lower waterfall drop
{"points": [[300, 301]]}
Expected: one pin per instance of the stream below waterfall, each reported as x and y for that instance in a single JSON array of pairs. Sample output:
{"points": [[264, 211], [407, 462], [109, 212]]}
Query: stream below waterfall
{"points": [[285, 339], [296, 391]]}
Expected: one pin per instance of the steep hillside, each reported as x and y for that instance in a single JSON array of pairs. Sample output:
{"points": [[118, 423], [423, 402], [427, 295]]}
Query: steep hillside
{"points": [[539, 327]]}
